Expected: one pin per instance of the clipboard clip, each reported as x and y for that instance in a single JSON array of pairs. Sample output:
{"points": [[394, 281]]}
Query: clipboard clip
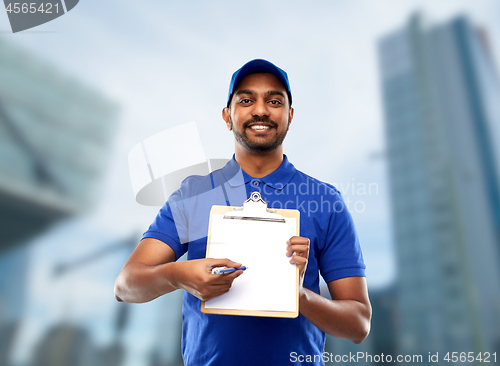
{"points": [[254, 208]]}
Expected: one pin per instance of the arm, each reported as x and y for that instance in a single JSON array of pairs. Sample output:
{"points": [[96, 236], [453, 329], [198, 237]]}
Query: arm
{"points": [[347, 315], [151, 271]]}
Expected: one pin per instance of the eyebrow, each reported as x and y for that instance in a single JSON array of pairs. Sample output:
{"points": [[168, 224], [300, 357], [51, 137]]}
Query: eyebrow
{"points": [[271, 92], [276, 92], [244, 91]]}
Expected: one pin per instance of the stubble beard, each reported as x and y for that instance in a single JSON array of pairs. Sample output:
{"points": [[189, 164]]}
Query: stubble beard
{"points": [[243, 139]]}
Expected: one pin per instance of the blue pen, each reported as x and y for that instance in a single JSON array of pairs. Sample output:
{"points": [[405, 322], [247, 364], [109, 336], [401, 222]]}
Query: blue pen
{"points": [[227, 270]]}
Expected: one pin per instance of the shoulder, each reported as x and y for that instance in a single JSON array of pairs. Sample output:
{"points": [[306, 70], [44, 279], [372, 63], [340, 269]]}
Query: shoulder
{"points": [[195, 185]]}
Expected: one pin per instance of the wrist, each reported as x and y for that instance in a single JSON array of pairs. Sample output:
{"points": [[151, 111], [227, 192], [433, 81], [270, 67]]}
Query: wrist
{"points": [[303, 295], [169, 272]]}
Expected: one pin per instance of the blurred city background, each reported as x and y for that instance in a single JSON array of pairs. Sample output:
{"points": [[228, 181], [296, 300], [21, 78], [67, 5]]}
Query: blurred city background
{"points": [[396, 103]]}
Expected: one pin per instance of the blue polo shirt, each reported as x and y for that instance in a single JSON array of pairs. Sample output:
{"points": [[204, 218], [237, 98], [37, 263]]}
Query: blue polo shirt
{"points": [[335, 253]]}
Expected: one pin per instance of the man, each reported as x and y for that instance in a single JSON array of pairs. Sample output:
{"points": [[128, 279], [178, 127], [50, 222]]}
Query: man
{"points": [[259, 113]]}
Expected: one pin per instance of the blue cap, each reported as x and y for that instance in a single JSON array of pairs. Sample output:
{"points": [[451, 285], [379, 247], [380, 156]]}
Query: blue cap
{"points": [[255, 66]]}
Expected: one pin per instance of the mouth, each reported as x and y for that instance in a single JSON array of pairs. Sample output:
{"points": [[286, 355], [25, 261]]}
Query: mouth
{"points": [[260, 127]]}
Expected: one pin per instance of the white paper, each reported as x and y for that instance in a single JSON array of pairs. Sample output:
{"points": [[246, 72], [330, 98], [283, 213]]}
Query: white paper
{"points": [[269, 283]]}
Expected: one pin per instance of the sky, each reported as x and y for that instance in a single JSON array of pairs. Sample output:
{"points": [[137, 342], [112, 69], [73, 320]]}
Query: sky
{"points": [[169, 63]]}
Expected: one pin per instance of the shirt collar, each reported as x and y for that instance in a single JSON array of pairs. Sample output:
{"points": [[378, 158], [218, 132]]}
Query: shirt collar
{"points": [[235, 176]]}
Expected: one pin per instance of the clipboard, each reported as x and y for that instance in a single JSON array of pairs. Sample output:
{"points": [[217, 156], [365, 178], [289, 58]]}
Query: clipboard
{"points": [[256, 237]]}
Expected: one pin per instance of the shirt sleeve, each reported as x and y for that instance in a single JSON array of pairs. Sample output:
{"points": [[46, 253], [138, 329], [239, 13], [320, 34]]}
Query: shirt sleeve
{"points": [[341, 256], [170, 225]]}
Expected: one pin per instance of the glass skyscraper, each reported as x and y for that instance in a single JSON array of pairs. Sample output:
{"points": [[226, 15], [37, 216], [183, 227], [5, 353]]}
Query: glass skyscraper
{"points": [[441, 98], [54, 139]]}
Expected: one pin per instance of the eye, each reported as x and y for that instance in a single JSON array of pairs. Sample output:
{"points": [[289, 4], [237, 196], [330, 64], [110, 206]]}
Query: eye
{"points": [[275, 102], [245, 101]]}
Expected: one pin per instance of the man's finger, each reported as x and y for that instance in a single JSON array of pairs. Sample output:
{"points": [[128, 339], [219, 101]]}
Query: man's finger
{"points": [[225, 262], [298, 240], [227, 277], [215, 294], [298, 260], [299, 249]]}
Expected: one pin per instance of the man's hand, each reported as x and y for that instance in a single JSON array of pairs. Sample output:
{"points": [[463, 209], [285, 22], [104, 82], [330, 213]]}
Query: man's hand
{"points": [[151, 271], [299, 246], [195, 276]]}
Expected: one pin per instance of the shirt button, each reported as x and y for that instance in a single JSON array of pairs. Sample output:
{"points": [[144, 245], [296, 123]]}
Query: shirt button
{"points": [[255, 183]]}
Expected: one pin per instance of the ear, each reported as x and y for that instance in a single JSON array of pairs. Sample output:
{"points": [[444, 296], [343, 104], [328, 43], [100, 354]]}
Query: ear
{"points": [[226, 116], [290, 116]]}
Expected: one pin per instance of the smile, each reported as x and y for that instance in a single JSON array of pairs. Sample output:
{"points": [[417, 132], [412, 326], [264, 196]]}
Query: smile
{"points": [[260, 127]]}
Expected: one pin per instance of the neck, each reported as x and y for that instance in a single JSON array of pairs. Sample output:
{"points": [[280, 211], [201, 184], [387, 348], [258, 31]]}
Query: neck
{"points": [[258, 164]]}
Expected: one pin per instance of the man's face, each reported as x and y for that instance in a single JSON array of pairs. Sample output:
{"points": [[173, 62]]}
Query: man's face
{"points": [[259, 114]]}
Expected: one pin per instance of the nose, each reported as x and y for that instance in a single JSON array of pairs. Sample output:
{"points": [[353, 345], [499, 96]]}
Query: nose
{"points": [[260, 108]]}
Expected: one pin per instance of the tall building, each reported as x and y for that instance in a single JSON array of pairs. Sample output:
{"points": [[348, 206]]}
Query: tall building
{"points": [[442, 118], [383, 328], [380, 343], [55, 134], [54, 139], [64, 345]]}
